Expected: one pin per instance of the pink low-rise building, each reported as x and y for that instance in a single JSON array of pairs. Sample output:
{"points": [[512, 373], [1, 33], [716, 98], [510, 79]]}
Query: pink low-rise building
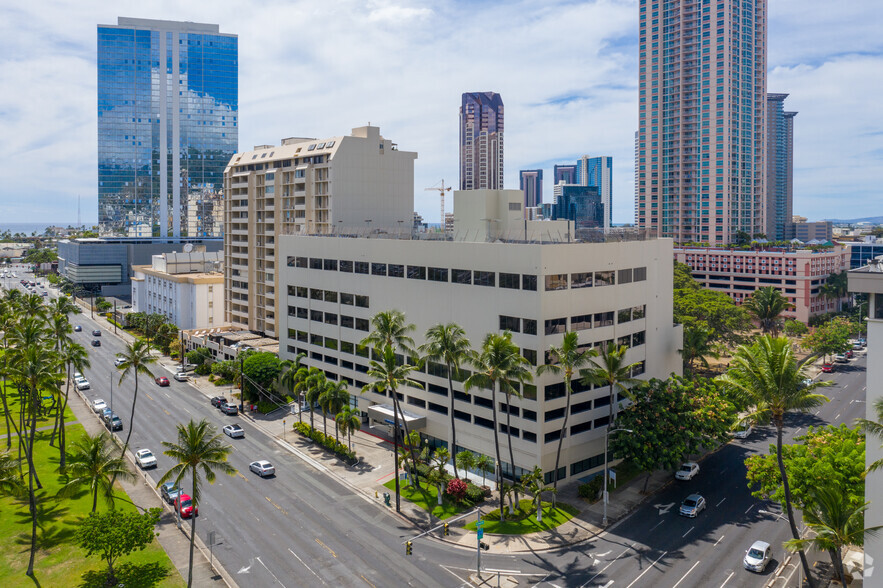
{"points": [[797, 274]]}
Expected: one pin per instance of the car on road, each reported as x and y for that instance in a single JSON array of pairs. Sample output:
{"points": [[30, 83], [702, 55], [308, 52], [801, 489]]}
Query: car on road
{"points": [[857, 346], [217, 401], [82, 384], [861, 340], [758, 556], [262, 468], [78, 329], [96, 333], [96, 343], [182, 377], [113, 422], [688, 471], [849, 354], [744, 433], [841, 358], [234, 431], [162, 381], [692, 506], [229, 409], [184, 506], [828, 368], [169, 492], [145, 459], [807, 382], [119, 361], [105, 414], [98, 405]]}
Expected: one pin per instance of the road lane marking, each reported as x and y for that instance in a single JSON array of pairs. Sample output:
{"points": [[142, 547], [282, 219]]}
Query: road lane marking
{"points": [[716, 505], [728, 579], [309, 568], [149, 397], [331, 551], [719, 540], [650, 567], [795, 432], [167, 412], [285, 512], [749, 508], [271, 573], [368, 581], [651, 530], [608, 565], [687, 533], [835, 418], [685, 575]]}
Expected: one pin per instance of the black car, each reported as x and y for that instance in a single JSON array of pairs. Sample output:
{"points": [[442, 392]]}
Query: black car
{"points": [[114, 423], [96, 343], [230, 409], [78, 328], [96, 333], [218, 401]]}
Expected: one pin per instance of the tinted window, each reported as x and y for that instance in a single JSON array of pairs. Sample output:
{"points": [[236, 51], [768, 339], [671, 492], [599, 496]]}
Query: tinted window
{"points": [[556, 282], [330, 264], [416, 272], [583, 280], [461, 276], [512, 281], [510, 323], [438, 274], [605, 278], [528, 282], [530, 327], [480, 278], [346, 266], [396, 271], [378, 269], [315, 263], [361, 267]]}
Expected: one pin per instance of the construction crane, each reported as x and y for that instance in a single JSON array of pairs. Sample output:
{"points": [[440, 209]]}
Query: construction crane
{"points": [[441, 192]]}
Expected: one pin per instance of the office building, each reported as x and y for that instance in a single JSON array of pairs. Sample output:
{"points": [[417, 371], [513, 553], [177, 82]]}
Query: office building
{"points": [[862, 252], [615, 291], [168, 110], [701, 164], [779, 167], [358, 182], [565, 174], [818, 231], [797, 273], [481, 141], [593, 172], [531, 183], [580, 205]]}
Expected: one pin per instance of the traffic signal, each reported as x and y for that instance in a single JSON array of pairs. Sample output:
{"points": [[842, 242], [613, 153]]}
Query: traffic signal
{"points": [[447, 532], [484, 545], [408, 546]]}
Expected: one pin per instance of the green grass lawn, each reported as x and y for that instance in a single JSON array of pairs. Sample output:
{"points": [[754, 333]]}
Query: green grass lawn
{"points": [[59, 562], [12, 402], [426, 497], [524, 520]]}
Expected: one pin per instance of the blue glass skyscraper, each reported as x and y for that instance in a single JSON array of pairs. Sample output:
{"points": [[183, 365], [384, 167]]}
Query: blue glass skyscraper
{"points": [[168, 109]]}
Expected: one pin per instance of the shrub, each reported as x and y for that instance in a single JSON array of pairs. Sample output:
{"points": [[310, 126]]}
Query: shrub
{"points": [[423, 470], [456, 489], [474, 494], [266, 407], [327, 441], [591, 488], [202, 369]]}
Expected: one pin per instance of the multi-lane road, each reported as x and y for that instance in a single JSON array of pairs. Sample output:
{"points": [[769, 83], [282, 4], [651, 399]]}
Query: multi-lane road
{"points": [[304, 528]]}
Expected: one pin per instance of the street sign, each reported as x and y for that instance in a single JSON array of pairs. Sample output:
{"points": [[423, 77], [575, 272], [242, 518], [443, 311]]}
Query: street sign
{"points": [[479, 523], [480, 532]]}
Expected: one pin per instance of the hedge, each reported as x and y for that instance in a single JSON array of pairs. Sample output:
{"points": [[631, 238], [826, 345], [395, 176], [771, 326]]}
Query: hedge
{"points": [[326, 441]]}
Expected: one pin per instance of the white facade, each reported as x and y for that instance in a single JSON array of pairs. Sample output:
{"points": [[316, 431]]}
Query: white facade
{"points": [[331, 287]]}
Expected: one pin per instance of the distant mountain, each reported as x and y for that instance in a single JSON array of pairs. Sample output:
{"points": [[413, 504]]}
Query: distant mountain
{"points": [[877, 220]]}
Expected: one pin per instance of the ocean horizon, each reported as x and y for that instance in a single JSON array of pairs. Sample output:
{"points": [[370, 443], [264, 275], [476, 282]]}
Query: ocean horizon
{"points": [[28, 228]]}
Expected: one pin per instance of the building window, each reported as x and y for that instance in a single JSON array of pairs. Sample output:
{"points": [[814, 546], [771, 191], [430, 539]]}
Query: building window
{"points": [[361, 324], [480, 278], [347, 298], [361, 301], [512, 281], [330, 318], [396, 271], [361, 267], [581, 322], [583, 280], [530, 326], [510, 323], [625, 276], [315, 263], [530, 355], [438, 274], [316, 294], [330, 265], [347, 321], [529, 282], [346, 266], [554, 414], [624, 316], [529, 392], [556, 282], [316, 315], [638, 312], [416, 272], [638, 338], [554, 326], [299, 262], [330, 296], [301, 313], [603, 319], [640, 274], [378, 269], [553, 391], [461, 276], [605, 278]]}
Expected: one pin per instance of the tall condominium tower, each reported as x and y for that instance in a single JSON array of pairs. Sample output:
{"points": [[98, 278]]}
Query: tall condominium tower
{"points": [[701, 165], [779, 167], [481, 141], [564, 173], [598, 172], [168, 111], [531, 183]]}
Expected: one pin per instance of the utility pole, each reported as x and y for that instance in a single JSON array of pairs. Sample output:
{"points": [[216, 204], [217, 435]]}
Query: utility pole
{"points": [[111, 391], [92, 305], [241, 383], [182, 350], [114, 317]]}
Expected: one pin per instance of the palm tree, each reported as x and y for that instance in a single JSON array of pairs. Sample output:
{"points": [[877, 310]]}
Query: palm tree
{"points": [[199, 450], [536, 485], [73, 355], [135, 359], [696, 347], [485, 464], [836, 524], [289, 377], [448, 344], [335, 396], [314, 383], [497, 365], [92, 462], [348, 420], [10, 480], [874, 428], [389, 374], [568, 358], [766, 305], [465, 460], [766, 375]]}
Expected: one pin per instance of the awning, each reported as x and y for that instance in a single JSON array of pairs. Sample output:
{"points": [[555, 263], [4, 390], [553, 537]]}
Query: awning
{"points": [[384, 413]]}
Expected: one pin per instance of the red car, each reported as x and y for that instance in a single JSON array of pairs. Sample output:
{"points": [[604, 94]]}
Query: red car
{"points": [[162, 381], [184, 506], [828, 368]]}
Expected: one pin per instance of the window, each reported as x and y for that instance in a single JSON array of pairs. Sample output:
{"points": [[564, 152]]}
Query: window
{"points": [[396, 271], [554, 391], [316, 294], [330, 264], [603, 319], [362, 324], [479, 401], [528, 436], [416, 272], [552, 436], [438, 274], [463, 416], [438, 408], [316, 315], [315, 263], [530, 327], [556, 282], [346, 266], [530, 355], [316, 340], [301, 313], [510, 323], [483, 422], [553, 326], [638, 338], [624, 316], [330, 318], [554, 414], [512, 281], [581, 407], [461, 276], [346, 347], [583, 280], [605, 278], [378, 269], [480, 278], [361, 301], [347, 298], [529, 282], [581, 322], [639, 274], [299, 262], [529, 392], [347, 321], [330, 296], [361, 267], [638, 312]]}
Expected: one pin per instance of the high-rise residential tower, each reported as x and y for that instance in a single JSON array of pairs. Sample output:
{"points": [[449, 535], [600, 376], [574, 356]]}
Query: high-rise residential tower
{"points": [[168, 111], [564, 173], [531, 183], [481, 141], [779, 167], [701, 165], [598, 172]]}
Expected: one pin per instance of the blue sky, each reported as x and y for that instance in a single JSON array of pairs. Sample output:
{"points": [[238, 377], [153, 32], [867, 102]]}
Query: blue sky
{"points": [[567, 72]]}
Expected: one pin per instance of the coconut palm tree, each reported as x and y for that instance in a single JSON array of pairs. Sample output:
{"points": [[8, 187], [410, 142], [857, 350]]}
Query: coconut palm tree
{"points": [[835, 523], [73, 356], [696, 347], [466, 461], [484, 464], [535, 484], [767, 305], [568, 359], [349, 419], [314, 384], [874, 428], [498, 364], [93, 463], [199, 451], [766, 376], [389, 374], [10, 479], [288, 377], [448, 344], [135, 360], [335, 396]]}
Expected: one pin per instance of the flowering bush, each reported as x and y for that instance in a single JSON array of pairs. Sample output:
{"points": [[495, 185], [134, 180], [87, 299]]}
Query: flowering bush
{"points": [[456, 489]]}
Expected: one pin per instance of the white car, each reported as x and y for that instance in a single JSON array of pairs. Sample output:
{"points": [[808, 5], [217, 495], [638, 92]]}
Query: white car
{"points": [[262, 468], [119, 361], [182, 377], [687, 471], [98, 405], [758, 556], [744, 433], [82, 384], [234, 431], [145, 459], [78, 376]]}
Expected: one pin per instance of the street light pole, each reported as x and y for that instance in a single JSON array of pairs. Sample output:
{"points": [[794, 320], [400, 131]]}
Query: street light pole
{"points": [[111, 391], [606, 454]]}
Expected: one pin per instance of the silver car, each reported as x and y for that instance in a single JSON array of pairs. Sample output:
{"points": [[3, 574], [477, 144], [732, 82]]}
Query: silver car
{"points": [[234, 431], [262, 468], [758, 556], [692, 506]]}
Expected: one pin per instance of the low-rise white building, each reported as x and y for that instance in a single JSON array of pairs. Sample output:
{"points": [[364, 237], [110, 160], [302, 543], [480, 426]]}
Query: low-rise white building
{"points": [[187, 288]]}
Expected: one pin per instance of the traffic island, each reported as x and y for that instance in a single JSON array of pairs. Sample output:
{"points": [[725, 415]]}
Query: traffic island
{"points": [[425, 496], [523, 520]]}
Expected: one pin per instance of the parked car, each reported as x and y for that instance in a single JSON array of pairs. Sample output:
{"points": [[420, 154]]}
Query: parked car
{"points": [[119, 361], [758, 556], [234, 431], [182, 377], [162, 381], [841, 358], [744, 433], [105, 414], [82, 384], [78, 329], [229, 409], [857, 346], [828, 368], [184, 506], [217, 401], [692, 506], [96, 333], [687, 471], [98, 405], [145, 459], [169, 492], [77, 375], [849, 354], [114, 423], [262, 468], [96, 343]]}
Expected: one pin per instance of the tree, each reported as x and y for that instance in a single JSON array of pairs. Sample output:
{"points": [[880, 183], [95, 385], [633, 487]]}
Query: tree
{"points": [[197, 356], [311, 383], [714, 311], [484, 464], [829, 338], [767, 305], [670, 419], [334, 397], [349, 419], [696, 346], [135, 360], [91, 463], [683, 277], [768, 377], [260, 370], [74, 356], [115, 533], [465, 460], [795, 328], [568, 359], [199, 451], [10, 481], [448, 344], [874, 428], [535, 484]]}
